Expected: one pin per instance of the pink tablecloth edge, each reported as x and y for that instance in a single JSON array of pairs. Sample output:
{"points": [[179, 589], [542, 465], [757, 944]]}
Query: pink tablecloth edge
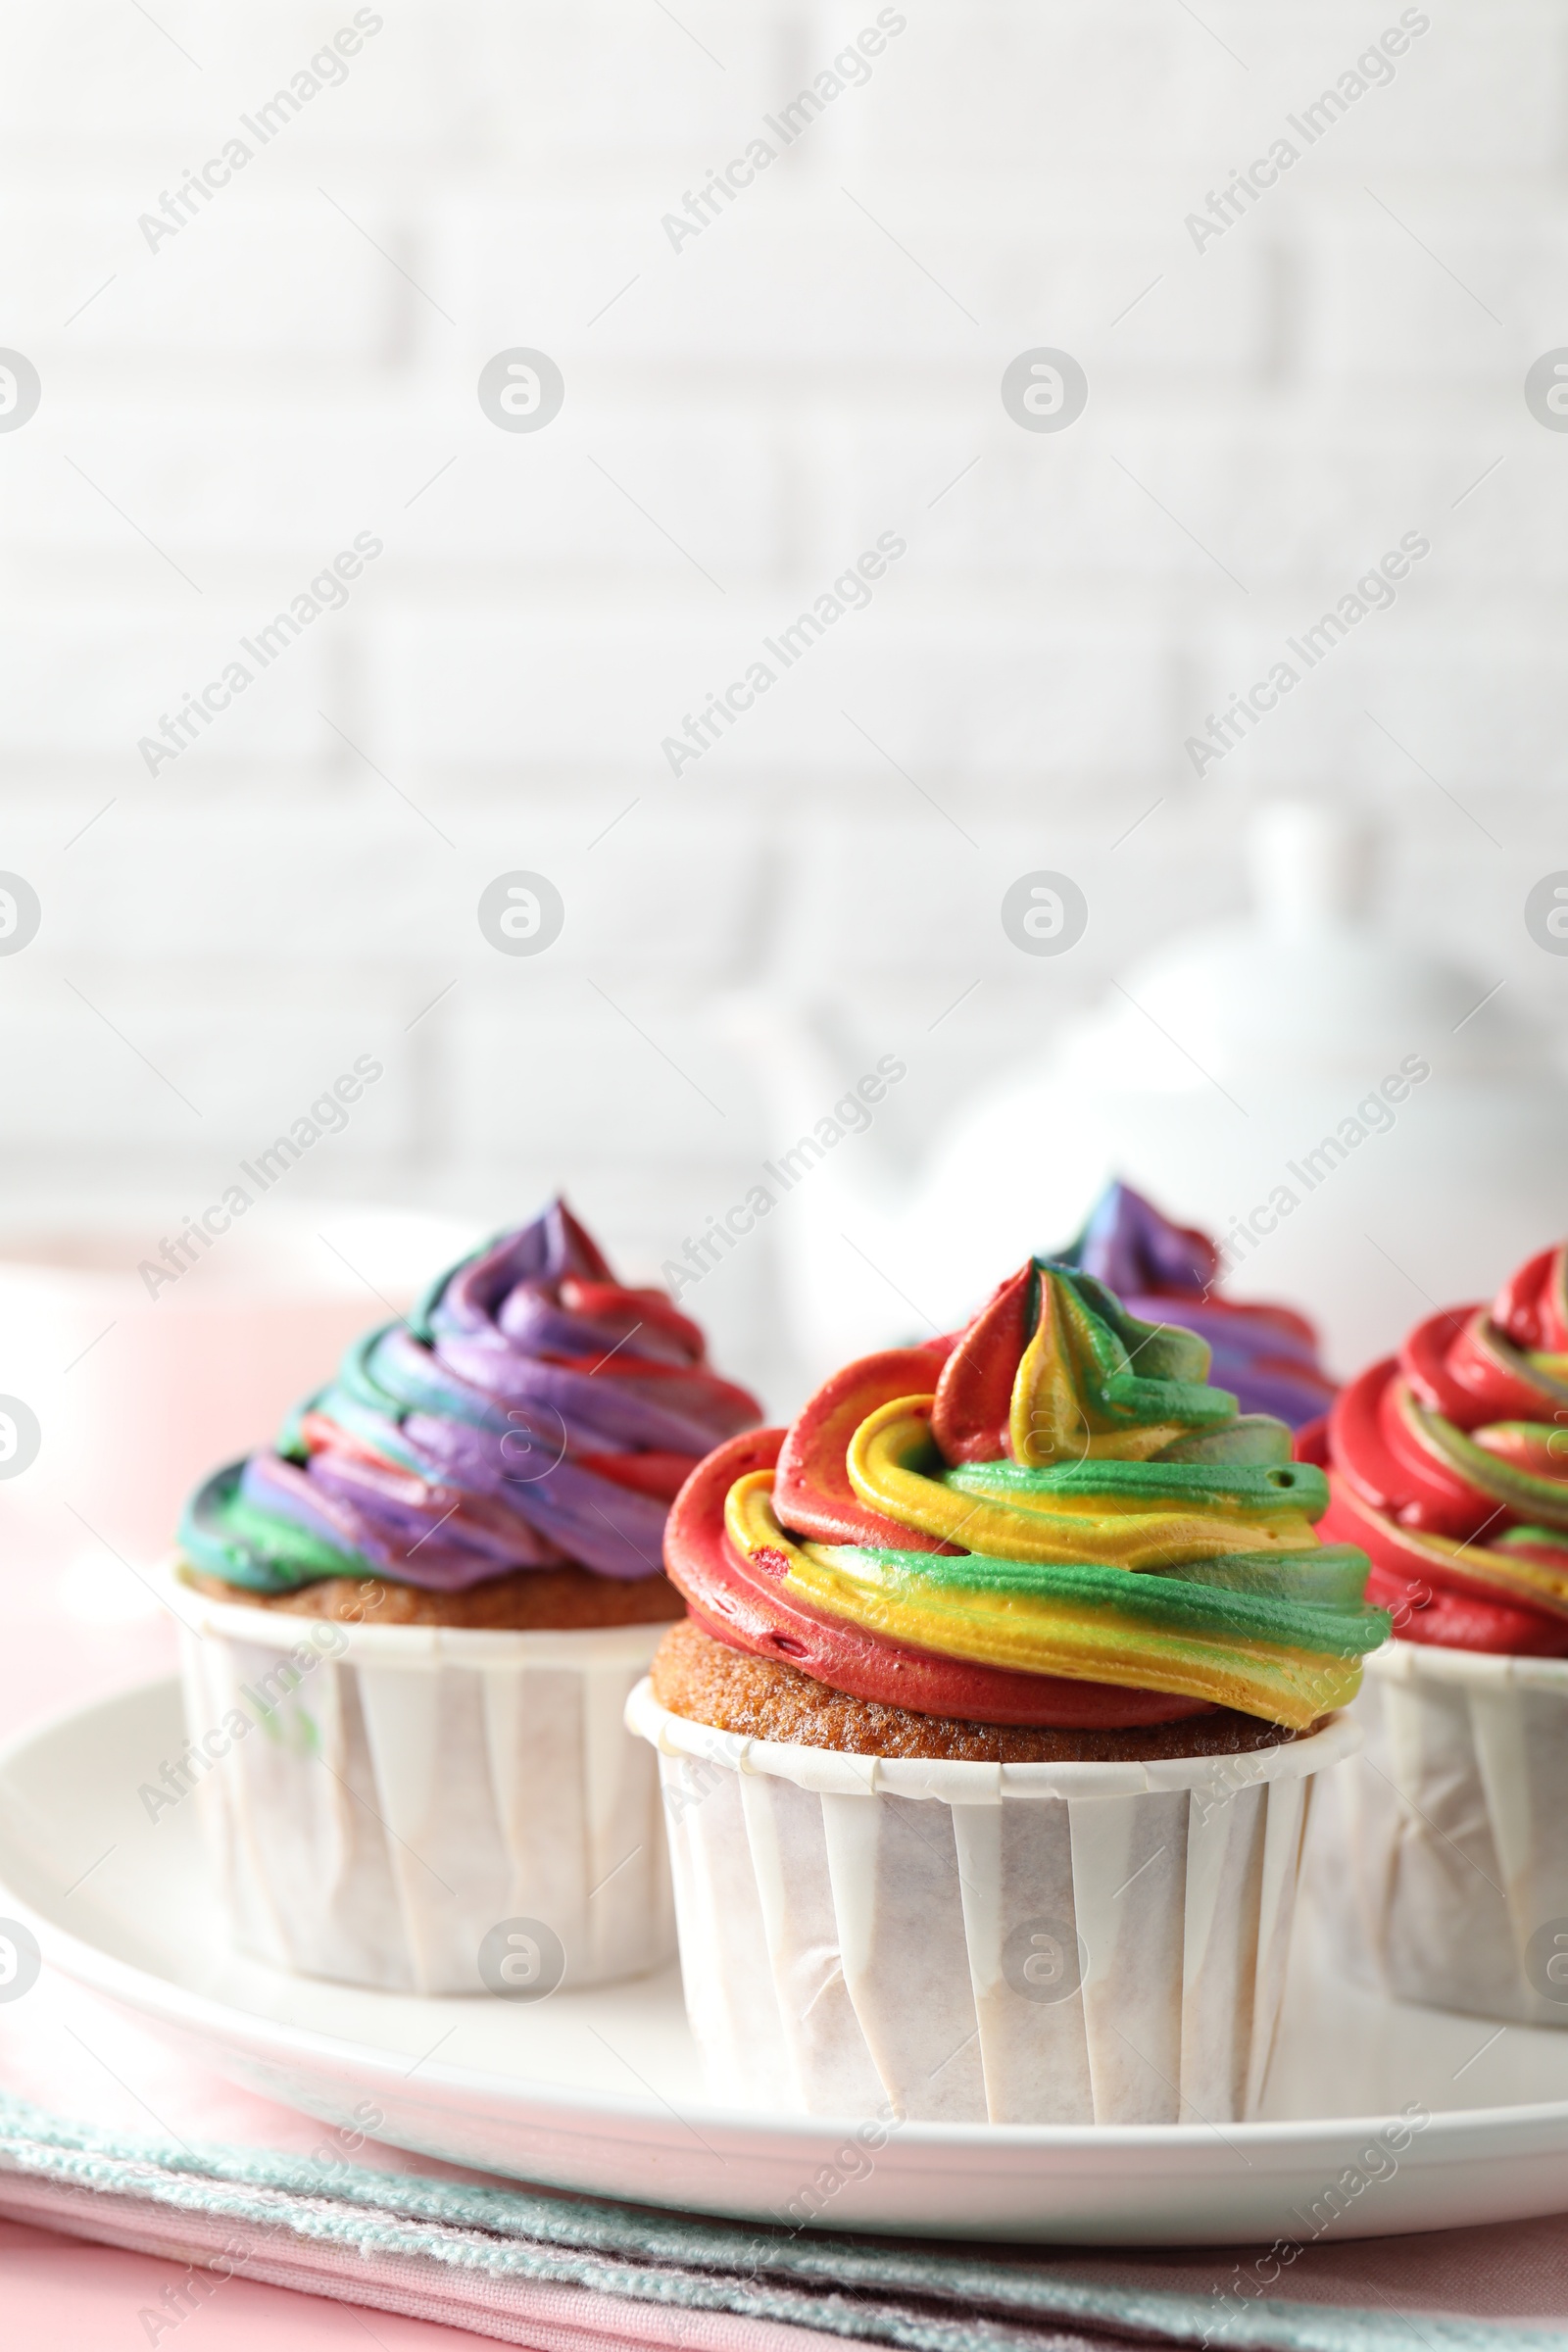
{"points": [[545, 2317]]}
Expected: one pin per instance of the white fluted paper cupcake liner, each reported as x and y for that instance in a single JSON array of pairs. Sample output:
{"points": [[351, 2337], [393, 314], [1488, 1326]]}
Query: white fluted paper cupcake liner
{"points": [[377, 1798], [1440, 1865], [964, 1942]]}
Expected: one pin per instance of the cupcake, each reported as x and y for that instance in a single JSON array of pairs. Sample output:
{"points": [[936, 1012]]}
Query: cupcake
{"points": [[1450, 1465], [410, 1629], [1266, 1356], [988, 1744]]}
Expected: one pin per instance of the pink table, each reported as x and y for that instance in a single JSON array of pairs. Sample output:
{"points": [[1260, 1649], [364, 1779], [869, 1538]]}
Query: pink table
{"points": [[59, 2294]]}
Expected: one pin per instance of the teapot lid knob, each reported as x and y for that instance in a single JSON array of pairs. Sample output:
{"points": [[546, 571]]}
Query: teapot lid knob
{"points": [[1311, 866]]}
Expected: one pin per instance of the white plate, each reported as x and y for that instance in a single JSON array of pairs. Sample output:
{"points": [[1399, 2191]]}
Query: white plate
{"points": [[597, 2091]]}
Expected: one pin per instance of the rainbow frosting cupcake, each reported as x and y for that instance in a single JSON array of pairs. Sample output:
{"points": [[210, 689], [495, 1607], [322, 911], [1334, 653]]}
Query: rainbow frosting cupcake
{"points": [[1449, 1465], [411, 1626], [973, 1591]]}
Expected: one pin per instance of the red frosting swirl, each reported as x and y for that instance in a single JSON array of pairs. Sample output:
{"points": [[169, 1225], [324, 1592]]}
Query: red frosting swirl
{"points": [[1449, 1466]]}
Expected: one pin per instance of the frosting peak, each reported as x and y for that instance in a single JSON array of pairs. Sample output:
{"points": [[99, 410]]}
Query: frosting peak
{"points": [[1050, 1518], [531, 1412], [1266, 1355]]}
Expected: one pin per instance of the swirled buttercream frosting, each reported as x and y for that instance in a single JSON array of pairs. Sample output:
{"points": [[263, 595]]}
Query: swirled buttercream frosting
{"points": [[1449, 1465], [1049, 1518], [531, 1412], [1265, 1354]]}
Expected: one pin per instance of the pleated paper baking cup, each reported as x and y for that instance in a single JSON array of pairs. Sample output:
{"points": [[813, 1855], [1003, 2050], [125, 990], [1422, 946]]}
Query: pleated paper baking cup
{"points": [[1440, 1863], [425, 1808], [958, 1943]]}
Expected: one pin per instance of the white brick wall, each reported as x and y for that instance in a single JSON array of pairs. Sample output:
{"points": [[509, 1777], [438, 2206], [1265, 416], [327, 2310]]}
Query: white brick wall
{"points": [[224, 413]]}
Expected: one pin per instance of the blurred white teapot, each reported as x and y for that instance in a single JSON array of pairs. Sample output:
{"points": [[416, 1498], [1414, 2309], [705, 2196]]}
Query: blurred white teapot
{"points": [[1361, 1127]]}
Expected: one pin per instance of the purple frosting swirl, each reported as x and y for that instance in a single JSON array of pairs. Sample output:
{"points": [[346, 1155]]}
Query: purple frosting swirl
{"points": [[533, 1412]]}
